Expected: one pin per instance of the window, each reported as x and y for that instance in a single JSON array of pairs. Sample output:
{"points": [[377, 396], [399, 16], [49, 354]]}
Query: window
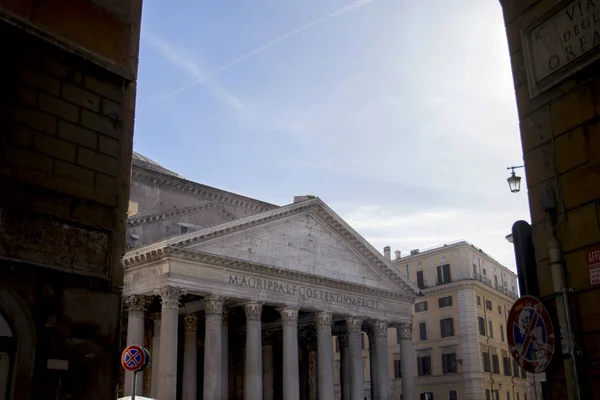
{"points": [[362, 341], [518, 396], [445, 301], [426, 396], [447, 327], [506, 364], [507, 395], [420, 280], [421, 306], [515, 368], [495, 364], [453, 395], [449, 363], [184, 229], [484, 271], [443, 274], [424, 365], [337, 345], [488, 305], [474, 269], [491, 329], [523, 374], [502, 333], [422, 330], [406, 268], [524, 396], [397, 369], [486, 362], [499, 309], [487, 394], [481, 326], [478, 301]]}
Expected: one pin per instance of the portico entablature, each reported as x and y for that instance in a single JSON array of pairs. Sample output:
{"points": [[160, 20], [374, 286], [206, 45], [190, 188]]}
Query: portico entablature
{"points": [[205, 274]]}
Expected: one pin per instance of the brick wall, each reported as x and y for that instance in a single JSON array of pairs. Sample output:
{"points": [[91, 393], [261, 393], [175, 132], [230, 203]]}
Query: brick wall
{"points": [[65, 154], [560, 135]]}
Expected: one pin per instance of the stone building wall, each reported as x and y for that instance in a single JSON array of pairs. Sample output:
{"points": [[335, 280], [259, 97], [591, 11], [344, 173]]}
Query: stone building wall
{"points": [[66, 121], [560, 135]]}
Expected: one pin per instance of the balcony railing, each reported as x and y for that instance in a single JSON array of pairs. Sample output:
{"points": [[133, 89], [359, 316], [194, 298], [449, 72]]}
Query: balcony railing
{"points": [[482, 278]]}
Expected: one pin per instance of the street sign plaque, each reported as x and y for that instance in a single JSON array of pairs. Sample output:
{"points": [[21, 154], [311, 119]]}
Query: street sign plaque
{"points": [[530, 334]]}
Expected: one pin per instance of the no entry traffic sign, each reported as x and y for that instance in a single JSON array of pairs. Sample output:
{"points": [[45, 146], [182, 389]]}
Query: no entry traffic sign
{"points": [[134, 358], [530, 334]]}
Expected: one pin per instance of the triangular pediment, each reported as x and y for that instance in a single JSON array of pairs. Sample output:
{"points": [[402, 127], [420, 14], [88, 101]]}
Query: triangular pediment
{"points": [[305, 237]]}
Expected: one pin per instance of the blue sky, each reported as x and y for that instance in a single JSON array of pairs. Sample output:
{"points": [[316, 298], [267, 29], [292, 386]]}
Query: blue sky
{"points": [[399, 114]]}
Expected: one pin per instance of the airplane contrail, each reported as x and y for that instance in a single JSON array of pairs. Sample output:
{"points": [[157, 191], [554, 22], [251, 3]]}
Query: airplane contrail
{"points": [[352, 6]]}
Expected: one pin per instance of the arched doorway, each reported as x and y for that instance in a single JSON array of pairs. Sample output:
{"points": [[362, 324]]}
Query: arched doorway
{"points": [[17, 346], [7, 354]]}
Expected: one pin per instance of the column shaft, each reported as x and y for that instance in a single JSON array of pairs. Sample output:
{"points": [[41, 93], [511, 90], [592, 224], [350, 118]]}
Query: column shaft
{"points": [[381, 382], [345, 367], [407, 361], [357, 380], [373, 364], [213, 384], [324, 356], [155, 357], [253, 368], [167, 373], [135, 336], [190, 358], [267, 370], [291, 374], [225, 356]]}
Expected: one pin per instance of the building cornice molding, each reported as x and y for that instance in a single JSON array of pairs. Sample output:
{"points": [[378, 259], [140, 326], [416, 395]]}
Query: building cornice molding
{"points": [[343, 230], [131, 222], [153, 177], [173, 253]]}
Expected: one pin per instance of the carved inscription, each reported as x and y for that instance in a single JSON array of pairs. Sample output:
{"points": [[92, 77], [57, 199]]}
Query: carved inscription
{"points": [[302, 291], [570, 34]]}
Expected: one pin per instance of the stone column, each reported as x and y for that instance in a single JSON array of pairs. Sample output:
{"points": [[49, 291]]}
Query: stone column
{"points": [[267, 368], [344, 366], [407, 361], [380, 380], [253, 368], [190, 358], [225, 355], [155, 356], [372, 362], [135, 336], [167, 373], [357, 380], [324, 356], [213, 384], [291, 374]]}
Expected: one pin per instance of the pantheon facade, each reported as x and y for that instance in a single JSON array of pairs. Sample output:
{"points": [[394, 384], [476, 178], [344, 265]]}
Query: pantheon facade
{"points": [[241, 299]]}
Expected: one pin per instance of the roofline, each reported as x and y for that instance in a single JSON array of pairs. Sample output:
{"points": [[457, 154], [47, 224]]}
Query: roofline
{"points": [[444, 247], [220, 195]]}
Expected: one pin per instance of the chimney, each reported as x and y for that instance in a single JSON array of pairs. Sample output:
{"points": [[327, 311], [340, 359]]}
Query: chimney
{"points": [[387, 252], [398, 254], [413, 252]]}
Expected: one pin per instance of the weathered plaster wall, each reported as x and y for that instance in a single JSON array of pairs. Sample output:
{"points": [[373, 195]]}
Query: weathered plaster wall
{"points": [[560, 136]]}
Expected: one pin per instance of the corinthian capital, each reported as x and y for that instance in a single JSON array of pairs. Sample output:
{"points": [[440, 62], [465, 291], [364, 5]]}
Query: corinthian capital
{"points": [[405, 331], [289, 316], [324, 320], [135, 305], [213, 305], [353, 324], [253, 311], [170, 296], [379, 328], [190, 322]]}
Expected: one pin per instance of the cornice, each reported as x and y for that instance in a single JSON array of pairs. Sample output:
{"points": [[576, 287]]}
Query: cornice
{"points": [[465, 283], [181, 211], [143, 175], [174, 253], [363, 248]]}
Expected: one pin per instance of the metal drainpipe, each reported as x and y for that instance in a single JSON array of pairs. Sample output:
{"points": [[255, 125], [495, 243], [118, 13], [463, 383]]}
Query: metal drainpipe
{"points": [[564, 318]]}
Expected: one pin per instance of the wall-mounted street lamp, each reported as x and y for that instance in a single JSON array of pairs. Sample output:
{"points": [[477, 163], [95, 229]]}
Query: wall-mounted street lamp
{"points": [[514, 181]]}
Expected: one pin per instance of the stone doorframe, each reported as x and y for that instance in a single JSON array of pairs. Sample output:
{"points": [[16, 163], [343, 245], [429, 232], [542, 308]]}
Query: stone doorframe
{"points": [[21, 323]]}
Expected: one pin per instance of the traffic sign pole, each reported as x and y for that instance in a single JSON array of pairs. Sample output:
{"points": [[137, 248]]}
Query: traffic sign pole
{"points": [[134, 385]]}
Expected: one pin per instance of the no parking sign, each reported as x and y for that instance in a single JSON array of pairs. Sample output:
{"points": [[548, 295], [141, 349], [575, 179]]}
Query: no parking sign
{"points": [[135, 359]]}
